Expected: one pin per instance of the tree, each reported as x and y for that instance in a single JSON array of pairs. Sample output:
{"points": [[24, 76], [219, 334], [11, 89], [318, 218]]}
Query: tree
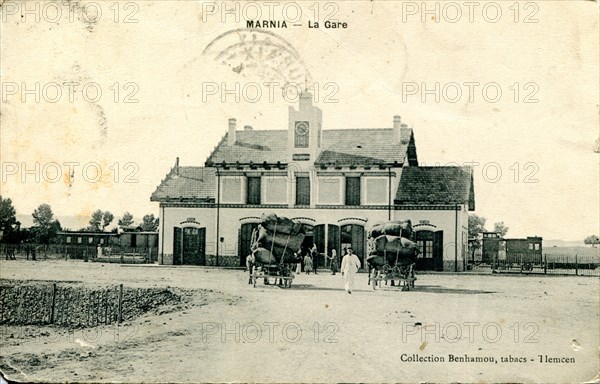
{"points": [[8, 215], [126, 220], [107, 218], [593, 240], [476, 225], [500, 228], [96, 220], [45, 227], [43, 216], [149, 223], [100, 220]]}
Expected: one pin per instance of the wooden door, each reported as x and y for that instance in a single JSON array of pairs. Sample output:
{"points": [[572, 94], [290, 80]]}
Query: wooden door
{"points": [[438, 250], [244, 241], [177, 251]]}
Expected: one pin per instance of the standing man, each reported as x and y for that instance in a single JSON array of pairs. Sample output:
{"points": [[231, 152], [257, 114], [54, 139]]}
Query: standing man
{"points": [[315, 257], [307, 263], [250, 261], [350, 265], [334, 262]]}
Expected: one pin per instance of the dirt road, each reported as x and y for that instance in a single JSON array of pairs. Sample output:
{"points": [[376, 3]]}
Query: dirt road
{"points": [[467, 328]]}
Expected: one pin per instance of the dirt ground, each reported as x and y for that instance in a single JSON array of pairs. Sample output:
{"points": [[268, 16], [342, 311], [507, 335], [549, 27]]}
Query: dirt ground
{"points": [[521, 328]]}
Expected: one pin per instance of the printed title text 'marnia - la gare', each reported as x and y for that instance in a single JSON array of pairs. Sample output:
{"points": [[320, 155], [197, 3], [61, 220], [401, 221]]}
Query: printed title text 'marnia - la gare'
{"points": [[271, 24]]}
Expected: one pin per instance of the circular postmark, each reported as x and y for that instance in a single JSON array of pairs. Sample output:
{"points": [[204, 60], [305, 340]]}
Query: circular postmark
{"points": [[258, 53]]}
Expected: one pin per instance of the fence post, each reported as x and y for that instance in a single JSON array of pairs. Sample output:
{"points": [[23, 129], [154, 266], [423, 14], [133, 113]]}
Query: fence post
{"points": [[120, 303], [576, 266], [53, 303], [545, 264]]}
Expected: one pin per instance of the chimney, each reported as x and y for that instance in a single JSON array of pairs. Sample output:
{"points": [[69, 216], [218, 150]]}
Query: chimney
{"points": [[177, 166], [397, 128], [247, 127], [231, 133]]}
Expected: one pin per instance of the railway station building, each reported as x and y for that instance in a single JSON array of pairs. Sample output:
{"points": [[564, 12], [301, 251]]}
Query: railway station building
{"points": [[336, 182]]}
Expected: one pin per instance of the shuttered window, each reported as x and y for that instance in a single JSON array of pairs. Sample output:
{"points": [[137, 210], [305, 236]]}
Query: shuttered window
{"points": [[352, 190], [253, 190], [302, 190]]}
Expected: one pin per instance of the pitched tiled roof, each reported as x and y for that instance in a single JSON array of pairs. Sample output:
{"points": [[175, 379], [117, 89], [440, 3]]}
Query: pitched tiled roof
{"points": [[252, 146], [340, 146], [443, 185], [363, 146], [187, 183]]}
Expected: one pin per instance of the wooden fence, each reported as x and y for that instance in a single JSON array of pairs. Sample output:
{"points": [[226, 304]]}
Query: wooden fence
{"points": [[113, 254], [548, 264]]}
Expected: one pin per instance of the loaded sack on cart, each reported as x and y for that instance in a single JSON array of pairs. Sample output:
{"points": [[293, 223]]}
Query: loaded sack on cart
{"points": [[392, 253], [276, 245]]}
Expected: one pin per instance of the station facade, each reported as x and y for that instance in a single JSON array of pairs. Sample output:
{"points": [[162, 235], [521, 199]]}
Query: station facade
{"points": [[336, 182]]}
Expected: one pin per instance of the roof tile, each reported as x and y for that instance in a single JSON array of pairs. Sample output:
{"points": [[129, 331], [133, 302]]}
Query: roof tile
{"points": [[192, 183], [442, 185]]}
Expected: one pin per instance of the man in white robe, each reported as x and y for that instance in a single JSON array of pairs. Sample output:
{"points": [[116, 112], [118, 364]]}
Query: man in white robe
{"points": [[350, 265]]}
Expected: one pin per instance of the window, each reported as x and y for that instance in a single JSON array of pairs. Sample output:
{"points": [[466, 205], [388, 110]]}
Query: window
{"points": [[329, 190], [90, 240], [101, 241], [425, 248], [352, 190], [190, 231], [376, 190], [275, 190], [302, 190], [68, 239], [232, 189], [531, 246], [253, 190], [536, 246], [79, 240]]}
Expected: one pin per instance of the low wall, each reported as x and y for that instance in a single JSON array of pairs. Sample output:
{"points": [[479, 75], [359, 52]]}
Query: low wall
{"points": [[74, 305]]}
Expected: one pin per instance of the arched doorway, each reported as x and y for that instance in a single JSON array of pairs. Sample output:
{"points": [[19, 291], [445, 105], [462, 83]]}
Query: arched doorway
{"points": [[353, 236], [431, 252], [327, 238], [189, 245], [244, 242]]}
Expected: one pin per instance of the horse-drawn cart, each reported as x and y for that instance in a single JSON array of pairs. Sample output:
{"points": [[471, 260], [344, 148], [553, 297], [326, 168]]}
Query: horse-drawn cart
{"points": [[275, 248], [405, 275], [392, 253], [282, 275]]}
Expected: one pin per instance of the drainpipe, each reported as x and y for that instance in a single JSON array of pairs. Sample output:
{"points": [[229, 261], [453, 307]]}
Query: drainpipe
{"points": [[218, 213], [455, 237], [162, 235], [389, 193]]}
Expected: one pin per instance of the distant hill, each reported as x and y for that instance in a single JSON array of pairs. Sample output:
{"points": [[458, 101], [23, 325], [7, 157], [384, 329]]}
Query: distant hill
{"points": [[563, 243]]}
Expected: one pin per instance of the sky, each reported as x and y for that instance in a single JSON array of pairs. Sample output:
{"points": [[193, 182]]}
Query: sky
{"points": [[100, 98]]}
